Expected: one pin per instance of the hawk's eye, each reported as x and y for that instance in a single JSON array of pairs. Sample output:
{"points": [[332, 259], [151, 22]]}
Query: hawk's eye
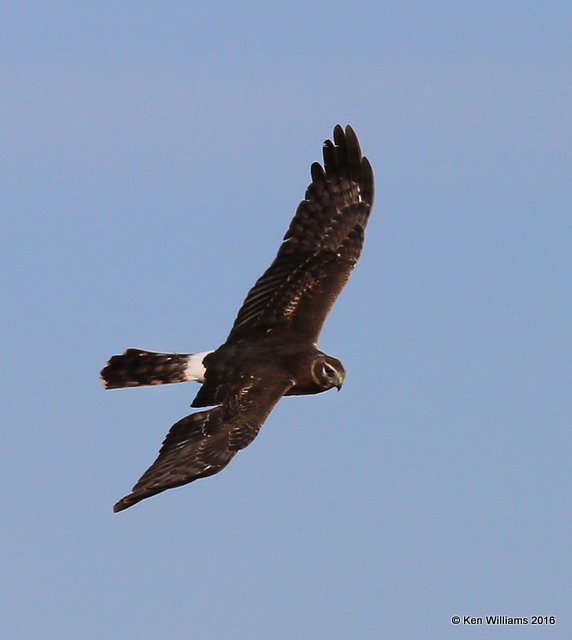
{"points": [[329, 372]]}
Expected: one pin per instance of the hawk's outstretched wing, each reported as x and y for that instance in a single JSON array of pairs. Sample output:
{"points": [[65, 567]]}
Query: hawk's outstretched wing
{"points": [[319, 250], [203, 443]]}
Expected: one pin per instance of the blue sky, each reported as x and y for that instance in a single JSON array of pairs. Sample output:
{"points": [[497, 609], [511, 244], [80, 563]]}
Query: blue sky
{"points": [[153, 155]]}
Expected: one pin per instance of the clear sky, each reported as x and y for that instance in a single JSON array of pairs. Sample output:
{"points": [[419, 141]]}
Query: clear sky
{"points": [[152, 156]]}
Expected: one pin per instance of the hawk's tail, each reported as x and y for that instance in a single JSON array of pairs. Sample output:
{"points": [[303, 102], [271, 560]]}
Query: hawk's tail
{"points": [[136, 367]]}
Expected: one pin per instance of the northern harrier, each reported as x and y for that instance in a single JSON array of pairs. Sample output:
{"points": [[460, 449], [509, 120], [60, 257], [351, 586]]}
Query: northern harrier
{"points": [[271, 350]]}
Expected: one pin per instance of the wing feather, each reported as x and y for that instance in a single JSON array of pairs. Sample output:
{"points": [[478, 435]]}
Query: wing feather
{"points": [[319, 250], [203, 443]]}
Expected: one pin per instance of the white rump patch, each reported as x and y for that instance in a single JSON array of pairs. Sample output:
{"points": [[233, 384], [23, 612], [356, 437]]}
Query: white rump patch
{"points": [[195, 370]]}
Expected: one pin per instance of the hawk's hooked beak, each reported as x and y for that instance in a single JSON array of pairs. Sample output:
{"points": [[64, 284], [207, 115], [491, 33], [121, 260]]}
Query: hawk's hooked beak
{"points": [[339, 380]]}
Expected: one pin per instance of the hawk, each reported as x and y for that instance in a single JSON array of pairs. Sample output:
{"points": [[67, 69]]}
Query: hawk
{"points": [[271, 349]]}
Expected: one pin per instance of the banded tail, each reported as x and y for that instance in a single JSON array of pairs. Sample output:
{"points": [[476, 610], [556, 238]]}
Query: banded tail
{"points": [[136, 368]]}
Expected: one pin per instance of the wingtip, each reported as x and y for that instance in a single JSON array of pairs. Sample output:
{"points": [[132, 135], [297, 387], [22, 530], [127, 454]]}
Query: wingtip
{"points": [[369, 188], [338, 129], [339, 135], [138, 494], [124, 503], [341, 131], [129, 500], [352, 139], [345, 138]]}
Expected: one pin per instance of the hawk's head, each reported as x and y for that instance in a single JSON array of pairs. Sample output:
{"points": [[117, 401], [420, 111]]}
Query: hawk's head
{"points": [[328, 372]]}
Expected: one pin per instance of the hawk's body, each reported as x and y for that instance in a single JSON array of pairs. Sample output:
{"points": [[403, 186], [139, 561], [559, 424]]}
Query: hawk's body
{"points": [[271, 349]]}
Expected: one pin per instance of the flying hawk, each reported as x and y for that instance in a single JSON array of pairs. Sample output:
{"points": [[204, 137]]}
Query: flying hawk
{"points": [[271, 349]]}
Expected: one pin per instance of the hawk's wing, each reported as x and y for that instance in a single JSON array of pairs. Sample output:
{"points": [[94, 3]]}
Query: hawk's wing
{"points": [[319, 250], [203, 443]]}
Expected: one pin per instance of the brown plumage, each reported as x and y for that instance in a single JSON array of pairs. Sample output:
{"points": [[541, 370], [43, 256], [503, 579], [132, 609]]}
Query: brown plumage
{"points": [[271, 349], [137, 367]]}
